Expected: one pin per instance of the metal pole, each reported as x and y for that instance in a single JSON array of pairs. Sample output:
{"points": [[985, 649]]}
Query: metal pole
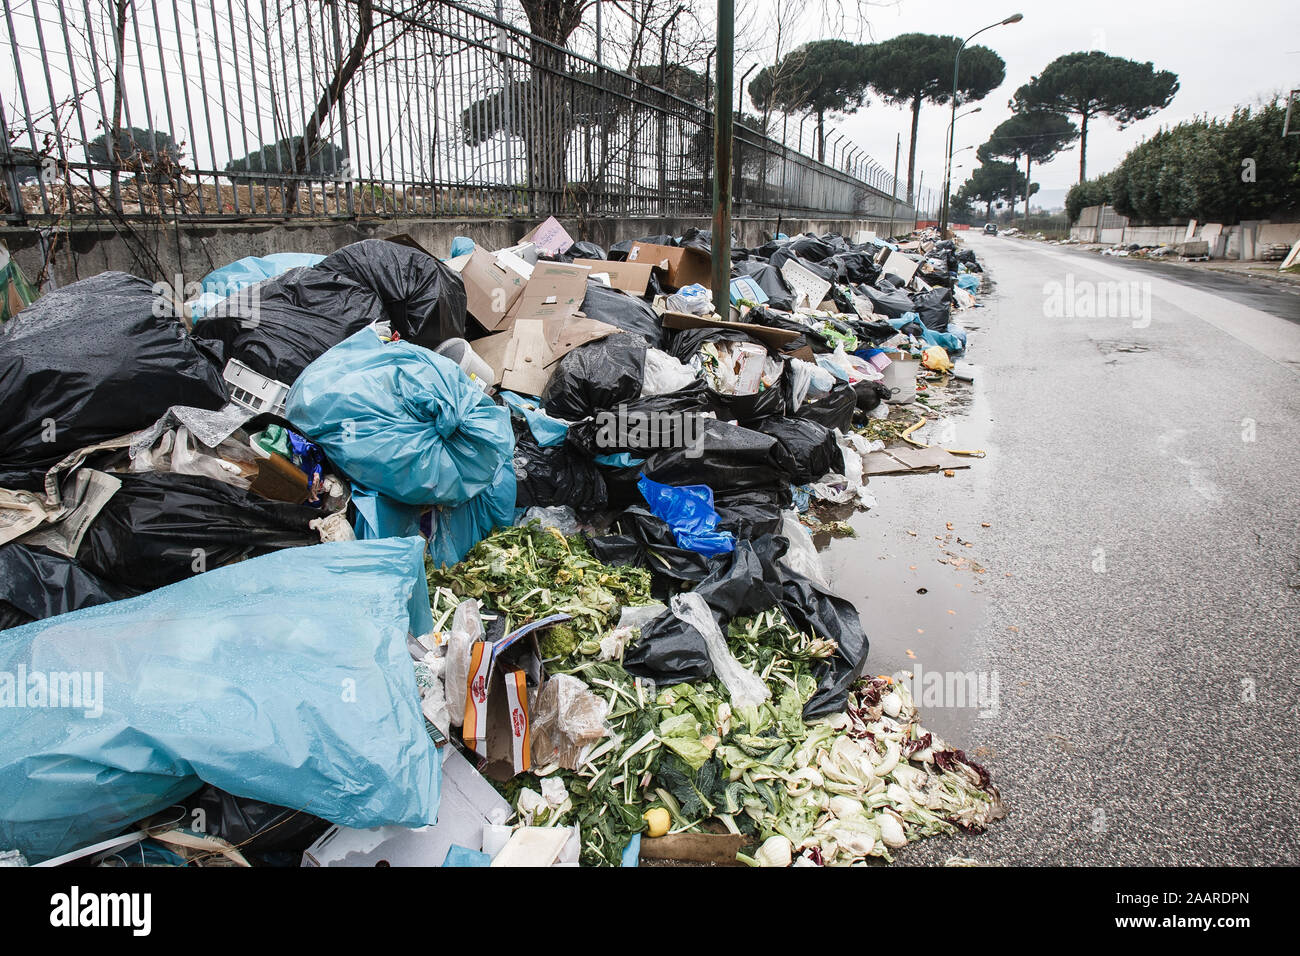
{"points": [[917, 204], [722, 157], [893, 191]]}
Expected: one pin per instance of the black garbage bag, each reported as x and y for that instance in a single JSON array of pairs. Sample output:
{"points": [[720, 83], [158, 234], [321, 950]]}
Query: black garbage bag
{"points": [[855, 267], [639, 539], [255, 827], [627, 312], [728, 458], [770, 280], [889, 301], [36, 584], [748, 581], [90, 362], [935, 308], [870, 332], [685, 344], [834, 410], [556, 475], [815, 610], [701, 239], [422, 298], [751, 512], [649, 423], [812, 446], [621, 484], [582, 249], [159, 528], [669, 651], [280, 326], [749, 408], [597, 375], [870, 395], [809, 248]]}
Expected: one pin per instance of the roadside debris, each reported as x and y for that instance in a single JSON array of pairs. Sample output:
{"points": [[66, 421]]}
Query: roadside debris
{"points": [[544, 512]]}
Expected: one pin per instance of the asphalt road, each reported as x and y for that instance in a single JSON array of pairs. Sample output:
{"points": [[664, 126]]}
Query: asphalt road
{"points": [[1140, 598]]}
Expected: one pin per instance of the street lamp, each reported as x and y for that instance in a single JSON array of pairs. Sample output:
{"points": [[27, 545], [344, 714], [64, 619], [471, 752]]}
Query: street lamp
{"points": [[943, 203], [956, 63]]}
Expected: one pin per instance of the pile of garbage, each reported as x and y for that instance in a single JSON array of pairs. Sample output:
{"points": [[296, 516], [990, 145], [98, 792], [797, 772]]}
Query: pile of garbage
{"points": [[542, 512]]}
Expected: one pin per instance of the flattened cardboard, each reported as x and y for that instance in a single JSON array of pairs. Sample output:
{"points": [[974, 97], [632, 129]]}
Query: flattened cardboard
{"points": [[518, 356], [550, 237], [555, 291], [772, 338], [633, 277], [909, 458], [523, 359], [684, 265]]}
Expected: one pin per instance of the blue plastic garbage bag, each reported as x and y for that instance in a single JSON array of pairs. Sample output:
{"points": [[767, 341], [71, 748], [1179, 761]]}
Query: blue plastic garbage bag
{"points": [[968, 281], [251, 270], [689, 511], [460, 245], [402, 421], [547, 430], [285, 678], [453, 531]]}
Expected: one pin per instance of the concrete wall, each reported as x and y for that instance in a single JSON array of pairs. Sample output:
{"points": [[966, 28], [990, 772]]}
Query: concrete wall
{"points": [[1244, 241], [192, 250]]}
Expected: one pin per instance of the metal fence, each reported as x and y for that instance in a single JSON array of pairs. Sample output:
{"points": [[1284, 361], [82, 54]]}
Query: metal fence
{"points": [[242, 110]]}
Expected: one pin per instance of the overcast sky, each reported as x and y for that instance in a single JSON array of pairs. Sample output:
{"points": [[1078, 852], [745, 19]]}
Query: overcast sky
{"points": [[1224, 54]]}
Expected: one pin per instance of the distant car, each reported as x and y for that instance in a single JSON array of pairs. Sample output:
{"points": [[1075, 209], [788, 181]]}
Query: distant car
{"points": [[990, 228]]}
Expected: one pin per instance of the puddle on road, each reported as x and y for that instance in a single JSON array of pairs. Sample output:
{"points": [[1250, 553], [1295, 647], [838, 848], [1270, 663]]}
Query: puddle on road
{"points": [[914, 570]]}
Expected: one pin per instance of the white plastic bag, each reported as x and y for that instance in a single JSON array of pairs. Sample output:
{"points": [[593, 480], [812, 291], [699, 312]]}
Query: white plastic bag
{"points": [[745, 688], [664, 374], [466, 628], [801, 557]]}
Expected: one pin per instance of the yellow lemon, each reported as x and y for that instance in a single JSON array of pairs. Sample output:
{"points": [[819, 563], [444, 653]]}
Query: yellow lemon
{"points": [[658, 820]]}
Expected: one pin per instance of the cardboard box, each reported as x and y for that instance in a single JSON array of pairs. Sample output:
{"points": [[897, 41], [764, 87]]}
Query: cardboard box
{"points": [[683, 265], [492, 285], [516, 675], [467, 803], [633, 277]]}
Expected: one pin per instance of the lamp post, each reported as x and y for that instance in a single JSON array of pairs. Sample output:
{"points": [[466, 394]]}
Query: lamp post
{"points": [[943, 203], [956, 63]]}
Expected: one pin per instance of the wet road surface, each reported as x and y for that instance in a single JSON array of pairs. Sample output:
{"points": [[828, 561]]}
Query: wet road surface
{"points": [[1135, 623]]}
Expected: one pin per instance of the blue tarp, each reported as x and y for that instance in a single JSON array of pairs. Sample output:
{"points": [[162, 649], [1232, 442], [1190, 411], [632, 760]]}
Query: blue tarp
{"points": [[410, 429], [284, 678]]}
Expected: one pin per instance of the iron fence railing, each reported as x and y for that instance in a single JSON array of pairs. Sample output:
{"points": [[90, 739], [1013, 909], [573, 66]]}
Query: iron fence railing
{"points": [[242, 110]]}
